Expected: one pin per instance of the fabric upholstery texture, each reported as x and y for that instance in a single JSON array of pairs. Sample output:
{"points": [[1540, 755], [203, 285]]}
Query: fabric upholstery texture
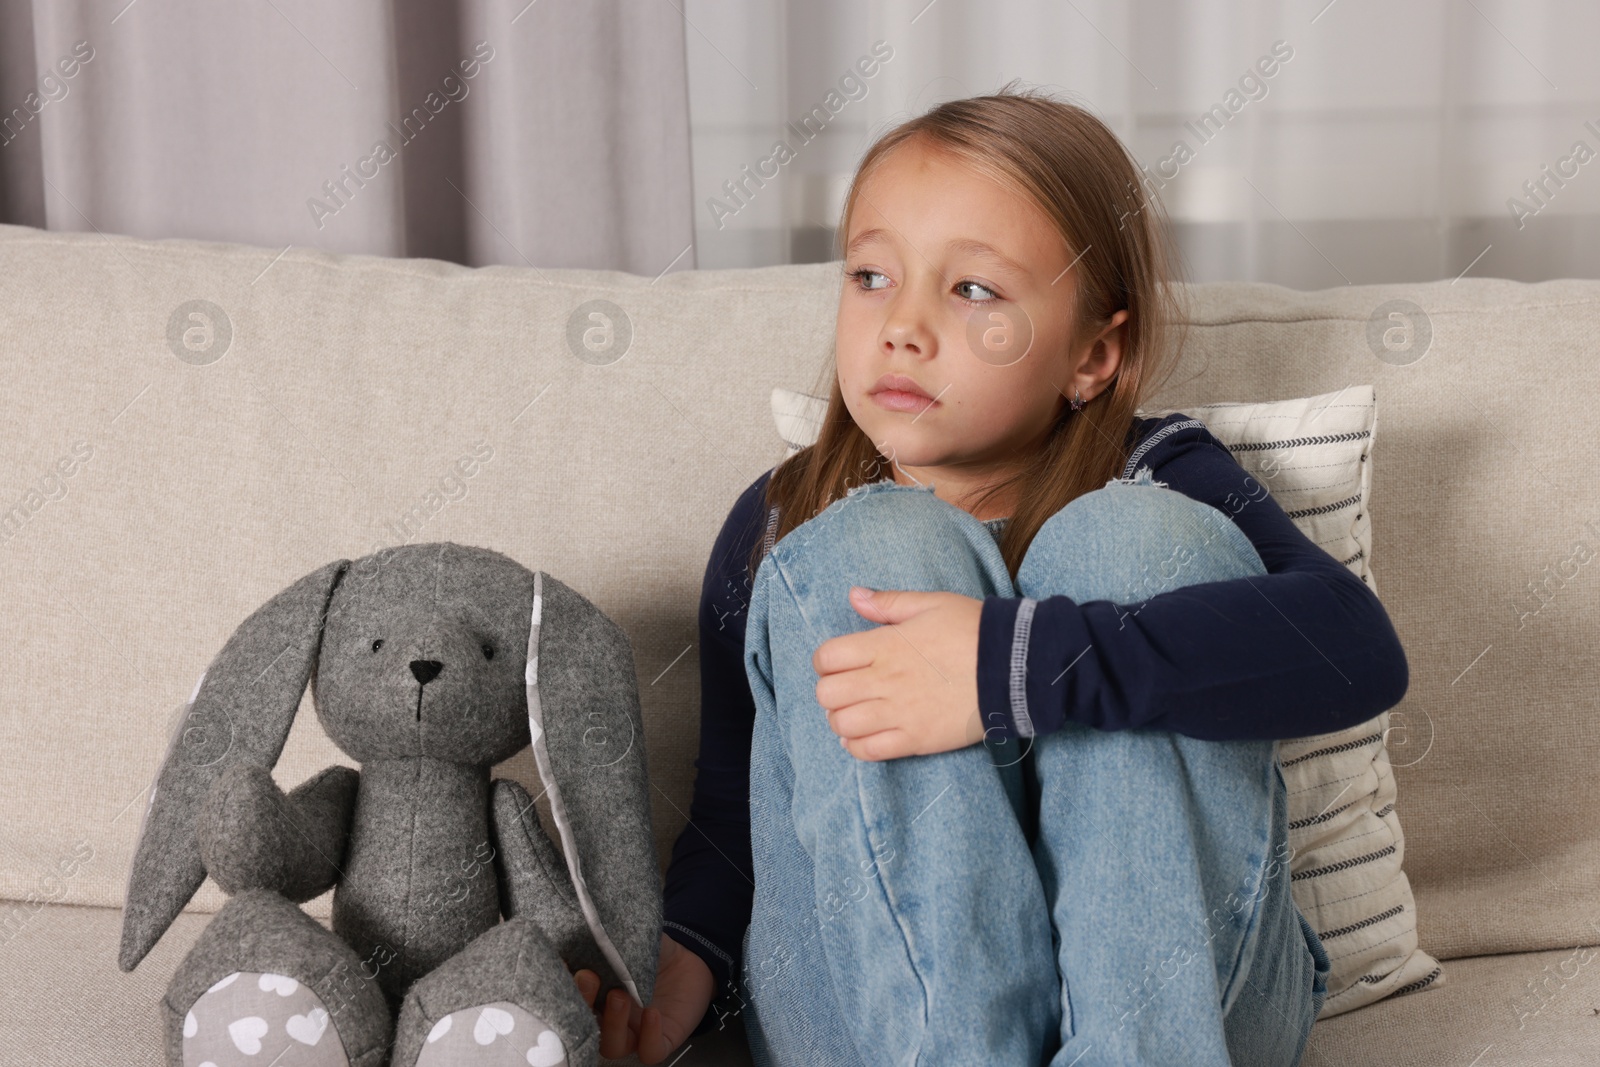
{"points": [[154, 499]]}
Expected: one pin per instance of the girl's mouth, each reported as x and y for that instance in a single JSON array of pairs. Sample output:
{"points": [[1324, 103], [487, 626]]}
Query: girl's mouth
{"points": [[896, 400]]}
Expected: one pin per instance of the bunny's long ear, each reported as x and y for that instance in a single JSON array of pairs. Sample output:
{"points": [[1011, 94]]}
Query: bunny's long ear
{"points": [[588, 743], [240, 712]]}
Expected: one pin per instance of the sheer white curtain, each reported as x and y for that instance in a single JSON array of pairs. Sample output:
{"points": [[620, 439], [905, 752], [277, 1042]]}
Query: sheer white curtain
{"points": [[477, 131], [1391, 142]]}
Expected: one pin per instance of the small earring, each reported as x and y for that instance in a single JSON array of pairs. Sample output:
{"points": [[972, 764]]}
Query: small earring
{"points": [[1077, 399]]}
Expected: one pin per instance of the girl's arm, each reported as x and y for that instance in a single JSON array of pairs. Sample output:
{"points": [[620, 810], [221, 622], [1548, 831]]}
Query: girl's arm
{"points": [[710, 880], [1306, 649]]}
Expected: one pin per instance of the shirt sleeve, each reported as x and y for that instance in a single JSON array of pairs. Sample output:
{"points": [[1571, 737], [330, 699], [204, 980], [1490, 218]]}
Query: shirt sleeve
{"points": [[1305, 649], [710, 880]]}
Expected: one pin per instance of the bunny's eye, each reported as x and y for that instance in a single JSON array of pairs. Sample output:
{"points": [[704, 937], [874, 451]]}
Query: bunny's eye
{"points": [[488, 650], [377, 644]]}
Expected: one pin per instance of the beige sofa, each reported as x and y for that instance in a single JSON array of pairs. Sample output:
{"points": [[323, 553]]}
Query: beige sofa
{"points": [[317, 405]]}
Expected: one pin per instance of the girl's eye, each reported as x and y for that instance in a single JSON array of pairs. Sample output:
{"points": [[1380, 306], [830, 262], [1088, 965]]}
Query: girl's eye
{"points": [[377, 644], [860, 276], [488, 651], [978, 285]]}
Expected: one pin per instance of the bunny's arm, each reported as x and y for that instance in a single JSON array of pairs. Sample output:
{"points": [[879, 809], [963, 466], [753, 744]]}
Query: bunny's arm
{"points": [[534, 883], [252, 835]]}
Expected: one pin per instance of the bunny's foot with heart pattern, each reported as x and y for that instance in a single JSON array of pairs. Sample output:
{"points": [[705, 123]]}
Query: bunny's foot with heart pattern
{"points": [[492, 1035], [254, 1017], [506, 1000], [266, 983]]}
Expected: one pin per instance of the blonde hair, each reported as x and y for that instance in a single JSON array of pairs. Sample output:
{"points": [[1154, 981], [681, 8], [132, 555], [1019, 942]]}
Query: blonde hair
{"points": [[1079, 174]]}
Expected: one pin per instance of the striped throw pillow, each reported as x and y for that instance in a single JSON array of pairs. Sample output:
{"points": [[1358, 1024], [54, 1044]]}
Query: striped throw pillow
{"points": [[1313, 456]]}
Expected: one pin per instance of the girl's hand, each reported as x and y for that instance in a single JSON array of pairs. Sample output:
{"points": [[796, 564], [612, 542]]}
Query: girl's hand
{"points": [[909, 687], [684, 989]]}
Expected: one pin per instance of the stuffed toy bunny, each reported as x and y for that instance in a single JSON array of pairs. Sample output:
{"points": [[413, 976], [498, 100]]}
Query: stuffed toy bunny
{"points": [[428, 664]]}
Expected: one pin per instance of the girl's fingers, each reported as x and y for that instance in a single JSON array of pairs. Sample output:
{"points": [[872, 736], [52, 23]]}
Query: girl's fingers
{"points": [[588, 985], [863, 719], [846, 688], [653, 1047], [883, 745], [847, 652], [616, 1037]]}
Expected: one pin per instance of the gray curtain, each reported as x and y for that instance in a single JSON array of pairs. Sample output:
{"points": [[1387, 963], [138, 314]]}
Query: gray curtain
{"points": [[553, 133]]}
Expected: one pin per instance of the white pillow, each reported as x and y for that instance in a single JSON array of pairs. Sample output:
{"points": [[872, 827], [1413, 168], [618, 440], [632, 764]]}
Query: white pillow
{"points": [[1313, 456]]}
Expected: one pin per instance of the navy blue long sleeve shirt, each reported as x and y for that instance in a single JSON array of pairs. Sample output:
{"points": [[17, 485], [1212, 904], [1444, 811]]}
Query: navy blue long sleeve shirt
{"points": [[1305, 649]]}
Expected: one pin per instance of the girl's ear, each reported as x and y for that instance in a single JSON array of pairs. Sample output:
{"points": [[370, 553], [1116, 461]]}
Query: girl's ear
{"points": [[1106, 352], [240, 712], [588, 744]]}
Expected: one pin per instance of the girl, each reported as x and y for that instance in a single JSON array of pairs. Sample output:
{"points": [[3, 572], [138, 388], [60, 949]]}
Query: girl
{"points": [[986, 765]]}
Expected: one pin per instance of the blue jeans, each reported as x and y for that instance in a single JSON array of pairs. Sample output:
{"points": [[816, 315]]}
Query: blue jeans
{"points": [[1084, 897]]}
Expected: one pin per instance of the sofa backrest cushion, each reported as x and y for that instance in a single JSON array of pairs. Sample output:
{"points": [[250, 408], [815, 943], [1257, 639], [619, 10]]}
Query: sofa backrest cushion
{"points": [[193, 424]]}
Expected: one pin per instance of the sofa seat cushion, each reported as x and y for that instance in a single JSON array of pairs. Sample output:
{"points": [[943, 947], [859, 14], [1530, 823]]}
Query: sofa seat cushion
{"points": [[1530, 1009], [68, 1005]]}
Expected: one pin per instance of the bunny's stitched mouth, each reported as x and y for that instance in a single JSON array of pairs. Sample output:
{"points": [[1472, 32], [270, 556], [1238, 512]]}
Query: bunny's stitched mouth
{"points": [[419, 703]]}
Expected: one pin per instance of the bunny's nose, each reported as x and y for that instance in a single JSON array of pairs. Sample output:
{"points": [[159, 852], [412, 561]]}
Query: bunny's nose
{"points": [[426, 670]]}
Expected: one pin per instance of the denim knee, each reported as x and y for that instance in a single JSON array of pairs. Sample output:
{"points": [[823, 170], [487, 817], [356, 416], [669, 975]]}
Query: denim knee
{"points": [[1131, 539], [891, 536]]}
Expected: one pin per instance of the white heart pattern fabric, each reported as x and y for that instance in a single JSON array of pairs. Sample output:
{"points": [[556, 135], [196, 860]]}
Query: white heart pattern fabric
{"points": [[266, 1018], [308, 1028], [492, 1022], [247, 1033], [548, 1052], [498, 1034], [280, 984]]}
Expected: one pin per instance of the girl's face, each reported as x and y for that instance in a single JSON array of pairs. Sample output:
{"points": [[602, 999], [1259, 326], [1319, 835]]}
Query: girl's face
{"points": [[964, 287]]}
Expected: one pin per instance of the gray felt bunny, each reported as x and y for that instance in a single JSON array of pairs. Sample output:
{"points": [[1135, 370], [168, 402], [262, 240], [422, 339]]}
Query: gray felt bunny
{"points": [[428, 664]]}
